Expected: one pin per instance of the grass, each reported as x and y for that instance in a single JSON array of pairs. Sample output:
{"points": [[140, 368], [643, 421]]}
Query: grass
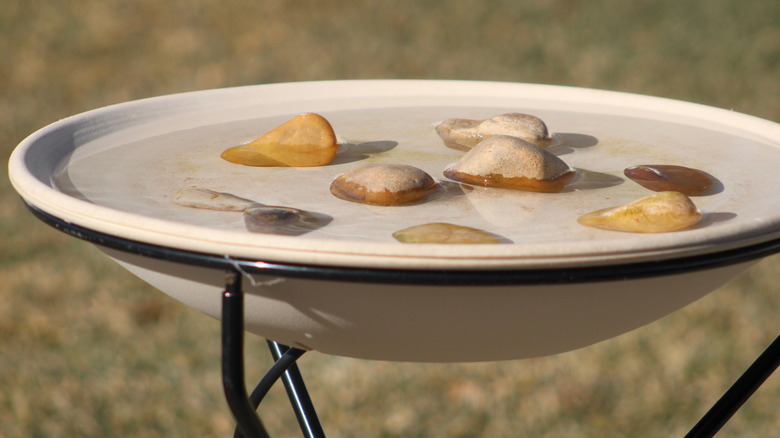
{"points": [[87, 350]]}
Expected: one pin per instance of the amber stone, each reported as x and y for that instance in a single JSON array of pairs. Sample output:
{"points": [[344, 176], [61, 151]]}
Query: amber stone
{"points": [[656, 213], [445, 233], [307, 140], [669, 177]]}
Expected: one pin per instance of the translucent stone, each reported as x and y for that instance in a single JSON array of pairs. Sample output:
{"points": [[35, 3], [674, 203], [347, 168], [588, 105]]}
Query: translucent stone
{"points": [[668, 177], [282, 220], [384, 184], [258, 218], [305, 141], [656, 213], [466, 133], [445, 233], [509, 162], [196, 197]]}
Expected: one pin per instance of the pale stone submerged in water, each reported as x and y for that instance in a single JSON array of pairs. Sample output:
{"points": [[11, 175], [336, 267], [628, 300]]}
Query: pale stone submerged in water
{"points": [[508, 162], [258, 218], [384, 184], [467, 133], [445, 233], [196, 197]]}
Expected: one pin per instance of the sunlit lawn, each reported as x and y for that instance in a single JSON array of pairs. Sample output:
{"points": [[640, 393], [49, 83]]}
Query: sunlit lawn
{"points": [[87, 350]]}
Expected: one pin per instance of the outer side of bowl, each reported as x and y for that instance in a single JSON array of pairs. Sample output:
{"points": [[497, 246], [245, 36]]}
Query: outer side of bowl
{"points": [[433, 323]]}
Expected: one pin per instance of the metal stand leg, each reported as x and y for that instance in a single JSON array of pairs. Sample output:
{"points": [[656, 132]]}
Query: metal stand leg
{"points": [[738, 394], [233, 359], [250, 426], [242, 405], [297, 393]]}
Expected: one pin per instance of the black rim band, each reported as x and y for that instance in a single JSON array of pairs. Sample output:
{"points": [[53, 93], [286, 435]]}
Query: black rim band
{"points": [[425, 277]]}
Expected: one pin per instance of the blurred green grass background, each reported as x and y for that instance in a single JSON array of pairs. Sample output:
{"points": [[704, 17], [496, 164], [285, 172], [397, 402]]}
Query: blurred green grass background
{"points": [[87, 350]]}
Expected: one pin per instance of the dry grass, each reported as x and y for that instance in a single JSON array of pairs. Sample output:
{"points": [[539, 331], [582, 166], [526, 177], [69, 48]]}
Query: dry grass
{"points": [[86, 350]]}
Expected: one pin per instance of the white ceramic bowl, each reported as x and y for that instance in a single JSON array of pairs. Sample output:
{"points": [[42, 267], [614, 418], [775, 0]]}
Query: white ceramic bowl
{"points": [[115, 169]]}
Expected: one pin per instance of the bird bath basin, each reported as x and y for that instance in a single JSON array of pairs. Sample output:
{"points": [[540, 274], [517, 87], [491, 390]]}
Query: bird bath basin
{"points": [[348, 288]]}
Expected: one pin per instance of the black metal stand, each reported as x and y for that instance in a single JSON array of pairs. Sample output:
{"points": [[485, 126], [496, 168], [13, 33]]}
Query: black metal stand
{"points": [[739, 393], [243, 405], [233, 377], [248, 423]]}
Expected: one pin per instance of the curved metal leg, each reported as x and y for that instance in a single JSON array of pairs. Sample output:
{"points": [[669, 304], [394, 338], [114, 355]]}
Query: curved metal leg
{"points": [[738, 394], [243, 406], [298, 395], [233, 380], [277, 370], [250, 426]]}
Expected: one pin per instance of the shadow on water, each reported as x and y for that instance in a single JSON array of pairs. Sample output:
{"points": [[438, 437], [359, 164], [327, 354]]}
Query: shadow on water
{"points": [[590, 180], [351, 152], [567, 142], [712, 218]]}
